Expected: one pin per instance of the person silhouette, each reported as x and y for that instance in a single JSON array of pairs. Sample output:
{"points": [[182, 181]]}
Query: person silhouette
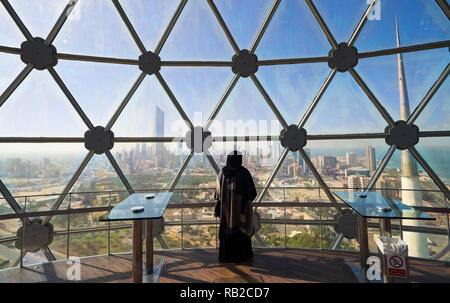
{"points": [[234, 194]]}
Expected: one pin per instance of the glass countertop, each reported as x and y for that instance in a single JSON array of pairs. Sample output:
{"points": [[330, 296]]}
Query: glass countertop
{"points": [[377, 205], [153, 208]]}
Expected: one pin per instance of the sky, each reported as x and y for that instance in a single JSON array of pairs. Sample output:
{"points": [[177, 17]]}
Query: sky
{"points": [[39, 108]]}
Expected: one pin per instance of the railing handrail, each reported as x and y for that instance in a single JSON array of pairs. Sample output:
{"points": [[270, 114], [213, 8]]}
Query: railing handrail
{"points": [[213, 188]]}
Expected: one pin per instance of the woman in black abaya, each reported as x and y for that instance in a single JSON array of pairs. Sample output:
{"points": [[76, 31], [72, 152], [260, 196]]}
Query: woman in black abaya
{"points": [[235, 192]]}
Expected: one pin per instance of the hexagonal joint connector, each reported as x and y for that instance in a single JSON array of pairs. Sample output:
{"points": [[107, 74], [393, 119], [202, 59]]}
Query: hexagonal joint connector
{"points": [[99, 140], [244, 63], [35, 236], [343, 58], [293, 138], [198, 140], [149, 63], [402, 135], [38, 54], [347, 224]]}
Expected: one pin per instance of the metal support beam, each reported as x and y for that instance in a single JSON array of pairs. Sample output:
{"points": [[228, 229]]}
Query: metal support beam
{"points": [[212, 162], [264, 26], [371, 97], [430, 172], [221, 102], [119, 172], [12, 87], [272, 175], [180, 171], [444, 6], [269, 101], [316, 100], [71, 99], [224, 26], [169, 28], [320, 180], [129, 26], [17, 20], [69, 185], [361, 23], [125, 101], [322, 24], [380, 168], [174, 100], [60, 22], [429, 95]]}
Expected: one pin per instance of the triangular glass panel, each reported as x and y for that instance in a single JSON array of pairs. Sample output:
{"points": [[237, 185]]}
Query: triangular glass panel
{"points": [[38, 108], [197, 36], [342, 17], [198, 90], [436, 113], [11, 66], [95, 28], [40, 171], [409, 183], [11, 35], [293, 87], [244, 113], [424, 24], [344, 108], [99, 99], [150, 166], [244, 18], [420, 71], [436, 152], [150, 113], [149, 18], [39, 16], [98, 184], [293, 33]]}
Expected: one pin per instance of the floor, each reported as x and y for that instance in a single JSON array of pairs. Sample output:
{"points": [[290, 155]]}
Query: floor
{"points": [[201, 265]]}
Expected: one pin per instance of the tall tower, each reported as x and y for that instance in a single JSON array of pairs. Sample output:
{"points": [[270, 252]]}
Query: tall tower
{"points": [[370, 158], [159, 132], [417, 242]]}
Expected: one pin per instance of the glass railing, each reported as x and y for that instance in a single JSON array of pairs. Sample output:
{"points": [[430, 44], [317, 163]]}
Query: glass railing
{"points": [[289, 218]]}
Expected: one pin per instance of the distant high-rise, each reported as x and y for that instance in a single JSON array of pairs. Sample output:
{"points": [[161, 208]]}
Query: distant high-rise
{"points": [[305, 166], [411, 194], [370, 159], [350, 159], [159, 122], [159, 132]]}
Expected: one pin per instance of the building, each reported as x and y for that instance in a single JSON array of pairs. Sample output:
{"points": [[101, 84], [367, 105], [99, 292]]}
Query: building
{"points": [[370, 159], [350, 159]]}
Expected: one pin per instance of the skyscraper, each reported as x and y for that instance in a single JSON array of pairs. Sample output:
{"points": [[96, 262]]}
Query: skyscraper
{"points": [[159, 122], [305, 166], [370, 159], [417, 242], [350, 159], [159, 132]]}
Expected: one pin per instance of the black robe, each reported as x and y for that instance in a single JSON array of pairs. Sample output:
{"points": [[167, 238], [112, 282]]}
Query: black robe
{"points": [[234, 194]]}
